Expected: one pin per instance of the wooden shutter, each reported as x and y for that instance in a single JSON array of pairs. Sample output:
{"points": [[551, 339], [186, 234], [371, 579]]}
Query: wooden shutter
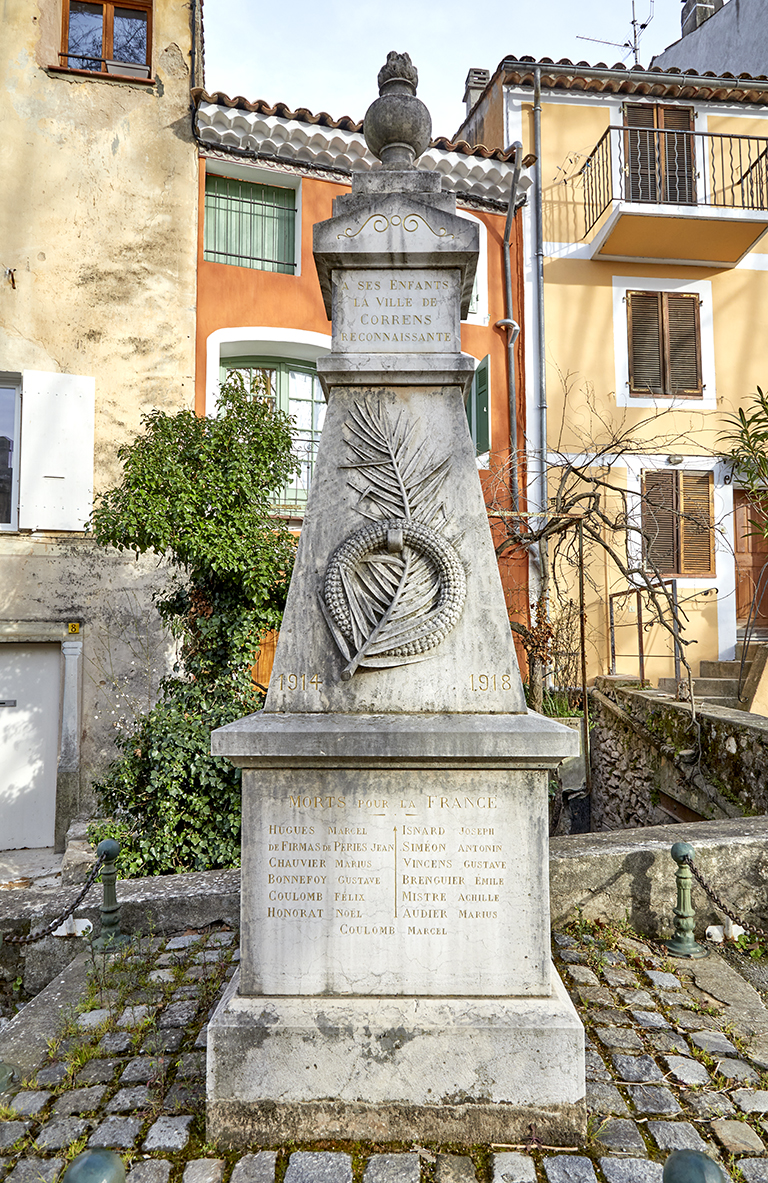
{"points": [[659, 521], [664, 343], [645, 330], [677, 155], [478, 407], [641, 143], [660, 164], [682, 344], [697, 535]]}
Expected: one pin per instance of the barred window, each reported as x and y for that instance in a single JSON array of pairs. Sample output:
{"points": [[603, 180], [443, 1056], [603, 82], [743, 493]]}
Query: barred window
{"points": [[250, 225]]}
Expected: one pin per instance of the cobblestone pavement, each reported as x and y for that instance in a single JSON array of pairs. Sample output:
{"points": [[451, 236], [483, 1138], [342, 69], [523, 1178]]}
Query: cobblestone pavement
{"points": [[676, 1055]]}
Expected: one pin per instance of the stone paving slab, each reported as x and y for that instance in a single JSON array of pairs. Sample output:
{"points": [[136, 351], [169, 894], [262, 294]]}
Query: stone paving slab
{"points": [[319, 1167], [394, 1168], [661, 1044], [153, 1170], [513, 1168], [255, 1168]]}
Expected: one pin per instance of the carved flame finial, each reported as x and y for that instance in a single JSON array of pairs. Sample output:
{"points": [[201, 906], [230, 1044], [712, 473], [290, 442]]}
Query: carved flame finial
{"points": [[398, 68], [397, 125]]}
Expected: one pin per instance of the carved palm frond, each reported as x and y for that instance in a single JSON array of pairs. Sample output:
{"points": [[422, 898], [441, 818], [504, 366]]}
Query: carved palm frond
{"points": [[388, 607], [393, 477]]}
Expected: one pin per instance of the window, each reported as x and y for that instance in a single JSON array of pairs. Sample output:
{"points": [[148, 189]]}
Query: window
{"points": [[664, 344], [250, 225], [678, 522], [478, 412], [659, 146], [107, 38], [295, 388], [46, 451]]}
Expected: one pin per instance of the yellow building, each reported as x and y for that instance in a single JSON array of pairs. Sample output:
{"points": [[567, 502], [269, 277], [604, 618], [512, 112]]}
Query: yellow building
{"points": [[647, 311]]}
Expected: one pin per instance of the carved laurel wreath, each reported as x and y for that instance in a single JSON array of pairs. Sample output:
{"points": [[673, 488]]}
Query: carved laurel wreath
{"points": [[394, 589]]}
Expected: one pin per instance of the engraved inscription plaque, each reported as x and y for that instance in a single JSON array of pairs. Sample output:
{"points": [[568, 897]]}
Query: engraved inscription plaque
{"points": [[379, 310], [361, 889]]}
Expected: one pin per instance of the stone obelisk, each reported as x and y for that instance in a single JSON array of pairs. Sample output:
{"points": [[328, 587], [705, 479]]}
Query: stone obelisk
{"points": [[395, 981]]}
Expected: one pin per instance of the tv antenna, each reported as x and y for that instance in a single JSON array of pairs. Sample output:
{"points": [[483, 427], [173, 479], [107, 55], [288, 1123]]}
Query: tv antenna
{"points": [[638, 28]]}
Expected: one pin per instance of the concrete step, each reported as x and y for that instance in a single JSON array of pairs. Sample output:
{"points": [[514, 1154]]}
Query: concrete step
{"points": [[706, 687], [754, 647], [720, 692], [729, 702], [722, 669]]}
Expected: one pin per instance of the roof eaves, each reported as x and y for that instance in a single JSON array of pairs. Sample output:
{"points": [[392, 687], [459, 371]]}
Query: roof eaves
{"points": [[621, 79], [323, 119]]}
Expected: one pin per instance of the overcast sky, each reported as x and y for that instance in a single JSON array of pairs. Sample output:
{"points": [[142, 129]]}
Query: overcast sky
{"points": [[326, 55]]}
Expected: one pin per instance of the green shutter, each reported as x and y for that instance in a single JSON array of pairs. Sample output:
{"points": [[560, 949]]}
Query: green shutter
{"points": [[478, 409]]}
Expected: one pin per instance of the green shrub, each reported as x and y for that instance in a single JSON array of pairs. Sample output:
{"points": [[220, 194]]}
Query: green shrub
{"points": [[198, 490]]}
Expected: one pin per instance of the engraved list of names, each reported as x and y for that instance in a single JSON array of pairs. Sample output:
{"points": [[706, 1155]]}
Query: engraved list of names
{"points": [[363, 890]]}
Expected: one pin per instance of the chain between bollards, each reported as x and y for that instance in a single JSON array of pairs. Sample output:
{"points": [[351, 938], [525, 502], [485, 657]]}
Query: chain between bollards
{"points": [[54, 924], [753, 928]]}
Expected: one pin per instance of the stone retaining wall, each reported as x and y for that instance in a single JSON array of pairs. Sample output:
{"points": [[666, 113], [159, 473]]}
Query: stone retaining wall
{"points": [[650, 762], [630, 874]]}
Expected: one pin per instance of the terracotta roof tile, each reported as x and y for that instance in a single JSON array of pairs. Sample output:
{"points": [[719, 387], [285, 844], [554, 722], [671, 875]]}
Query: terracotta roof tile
{"points": [[662, 83], [323, 119]]}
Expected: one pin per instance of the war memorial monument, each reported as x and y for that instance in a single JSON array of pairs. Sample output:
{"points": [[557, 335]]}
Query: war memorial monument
{"points": [[396, 981]]}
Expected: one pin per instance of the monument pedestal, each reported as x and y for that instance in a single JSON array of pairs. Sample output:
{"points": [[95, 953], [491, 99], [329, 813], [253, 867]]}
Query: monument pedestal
{"points": [[395, 979], [469, 1070]]}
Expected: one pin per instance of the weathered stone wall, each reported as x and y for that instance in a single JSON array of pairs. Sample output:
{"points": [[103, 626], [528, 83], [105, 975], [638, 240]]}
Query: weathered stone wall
{"points": [[98, 217], [649, 760], [126, 650]]}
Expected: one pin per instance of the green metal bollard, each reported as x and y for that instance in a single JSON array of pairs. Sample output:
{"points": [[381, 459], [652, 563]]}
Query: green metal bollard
{"points": [[95, 1166], [682, 943], [691, 1166], [111, 938]]}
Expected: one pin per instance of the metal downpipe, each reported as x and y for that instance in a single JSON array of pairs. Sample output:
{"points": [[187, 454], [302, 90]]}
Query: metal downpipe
{"points": [[540, 338], [513, 332]]}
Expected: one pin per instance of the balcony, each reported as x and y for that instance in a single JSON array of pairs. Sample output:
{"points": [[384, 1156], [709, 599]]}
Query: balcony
{"points": [[675, 196]]}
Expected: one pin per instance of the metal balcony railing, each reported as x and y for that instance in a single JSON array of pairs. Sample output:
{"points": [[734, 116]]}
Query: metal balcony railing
{"points": [[661, 167]]}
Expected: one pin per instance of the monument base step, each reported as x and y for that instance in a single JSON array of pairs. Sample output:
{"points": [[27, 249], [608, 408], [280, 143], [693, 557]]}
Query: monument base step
{"points": [[395, 1069]]}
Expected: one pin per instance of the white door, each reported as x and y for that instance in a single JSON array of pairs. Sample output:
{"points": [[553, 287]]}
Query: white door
{"points": [[30, 678]]}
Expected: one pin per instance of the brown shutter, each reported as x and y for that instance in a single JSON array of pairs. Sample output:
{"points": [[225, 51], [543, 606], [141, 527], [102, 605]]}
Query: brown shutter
{"points": [[644, 325], [683, 344], [641, 146], [677, 155], [659, 521], [697, 534]]}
